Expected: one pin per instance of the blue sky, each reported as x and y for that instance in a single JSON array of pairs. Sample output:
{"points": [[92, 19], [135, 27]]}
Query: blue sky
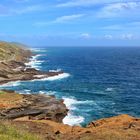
{"points": [[71, 22]]}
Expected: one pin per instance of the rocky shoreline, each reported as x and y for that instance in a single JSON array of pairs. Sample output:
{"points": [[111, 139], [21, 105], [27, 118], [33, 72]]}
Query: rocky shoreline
{"points": [[41, 114], [14, 67], [31, 107]]}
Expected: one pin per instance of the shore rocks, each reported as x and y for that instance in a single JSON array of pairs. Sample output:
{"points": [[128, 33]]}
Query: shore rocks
{"points": [[34, 107], [122, 127]]}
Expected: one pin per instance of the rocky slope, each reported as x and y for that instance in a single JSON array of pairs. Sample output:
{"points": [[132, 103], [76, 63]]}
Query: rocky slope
{"points": [[32, 107], [121, 127], [13, 57], [42, 115]]}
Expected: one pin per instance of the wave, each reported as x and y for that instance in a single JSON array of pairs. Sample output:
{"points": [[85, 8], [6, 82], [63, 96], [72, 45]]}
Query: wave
{"points": [[34, 63], [11, 84], [58, 70], [53, 78], [70, 103], [72, 120], [47, 92], [26, 91], [109, 89], [37, 50], [58, 77]]}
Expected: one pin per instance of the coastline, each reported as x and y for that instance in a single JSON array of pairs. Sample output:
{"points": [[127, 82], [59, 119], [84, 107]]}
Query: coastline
{"points": [[45, 114], [42, 115], [27, 72], [23, 71]]}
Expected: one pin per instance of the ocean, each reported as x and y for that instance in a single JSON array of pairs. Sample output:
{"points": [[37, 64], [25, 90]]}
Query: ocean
{"points": [[98, 81]]}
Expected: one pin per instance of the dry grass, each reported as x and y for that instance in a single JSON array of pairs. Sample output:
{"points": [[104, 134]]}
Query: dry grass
{"points": [[8, 132], [9, 99]]}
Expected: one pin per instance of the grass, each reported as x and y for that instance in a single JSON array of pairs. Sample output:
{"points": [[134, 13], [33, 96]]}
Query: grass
{"points": [[8, 132], [2, 92], [10, 51]]}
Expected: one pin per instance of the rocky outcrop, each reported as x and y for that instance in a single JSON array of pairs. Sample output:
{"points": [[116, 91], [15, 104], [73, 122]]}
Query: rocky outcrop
{"points": [[32, 107], [122, 127], [13, 57], [42, 115]]}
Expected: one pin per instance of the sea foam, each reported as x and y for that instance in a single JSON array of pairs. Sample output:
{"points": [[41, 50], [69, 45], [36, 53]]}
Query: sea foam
{"points": [[11, 84], [53, 78], [72, 120], [34, 62], [57, 77], [58, 70], [71, 103], [109, 89]]}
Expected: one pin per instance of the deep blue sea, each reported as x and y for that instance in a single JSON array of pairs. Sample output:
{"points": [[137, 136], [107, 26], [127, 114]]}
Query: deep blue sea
{"points": [[98, 81]]}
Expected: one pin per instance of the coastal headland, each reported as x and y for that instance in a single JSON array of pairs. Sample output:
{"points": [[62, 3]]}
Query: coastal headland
{"points": [[13, 60], [39, 116]]}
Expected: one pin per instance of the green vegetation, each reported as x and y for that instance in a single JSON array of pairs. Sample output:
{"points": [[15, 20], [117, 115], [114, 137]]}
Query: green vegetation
{"points": [[8, 132], [2, 92]]}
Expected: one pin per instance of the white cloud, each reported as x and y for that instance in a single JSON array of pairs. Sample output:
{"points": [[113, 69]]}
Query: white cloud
{"points": [[119, 9], [84, 3], [85, 35], [61, 19], [68, 18], [10, 11], [28, 9], [108, 37]]}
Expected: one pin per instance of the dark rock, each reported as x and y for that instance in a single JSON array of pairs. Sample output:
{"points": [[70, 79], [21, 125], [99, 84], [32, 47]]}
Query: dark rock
{"points": [[37, 107], [57, 132]]}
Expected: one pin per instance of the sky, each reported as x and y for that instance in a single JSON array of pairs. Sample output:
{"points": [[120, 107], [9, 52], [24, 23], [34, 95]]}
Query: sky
{"points": [[71, 22]]}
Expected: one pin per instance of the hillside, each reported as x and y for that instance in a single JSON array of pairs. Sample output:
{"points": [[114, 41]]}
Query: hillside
{"points": [[13, 51], [13, 57]]}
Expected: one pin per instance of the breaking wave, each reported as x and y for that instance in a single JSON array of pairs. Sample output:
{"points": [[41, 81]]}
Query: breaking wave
{"points": [[58, 77], [72, 119], [11, 84], [34, 62]]}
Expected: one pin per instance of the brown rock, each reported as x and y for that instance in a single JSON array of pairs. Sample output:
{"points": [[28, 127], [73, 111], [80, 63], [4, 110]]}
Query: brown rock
{"points": [[37, 107]]}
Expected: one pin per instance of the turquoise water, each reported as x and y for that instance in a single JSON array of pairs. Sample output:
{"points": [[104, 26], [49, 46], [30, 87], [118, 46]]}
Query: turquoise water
{"points": [[98, 82]]}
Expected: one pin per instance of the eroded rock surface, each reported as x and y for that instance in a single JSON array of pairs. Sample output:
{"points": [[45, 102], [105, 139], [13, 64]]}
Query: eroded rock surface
{"points": [[33, 107]]}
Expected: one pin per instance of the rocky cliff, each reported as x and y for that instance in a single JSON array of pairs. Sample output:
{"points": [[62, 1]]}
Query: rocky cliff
{"points": [[12, 64]]}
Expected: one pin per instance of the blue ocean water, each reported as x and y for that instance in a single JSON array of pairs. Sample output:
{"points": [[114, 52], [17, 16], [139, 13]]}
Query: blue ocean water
{"points": [[98, 81]]}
